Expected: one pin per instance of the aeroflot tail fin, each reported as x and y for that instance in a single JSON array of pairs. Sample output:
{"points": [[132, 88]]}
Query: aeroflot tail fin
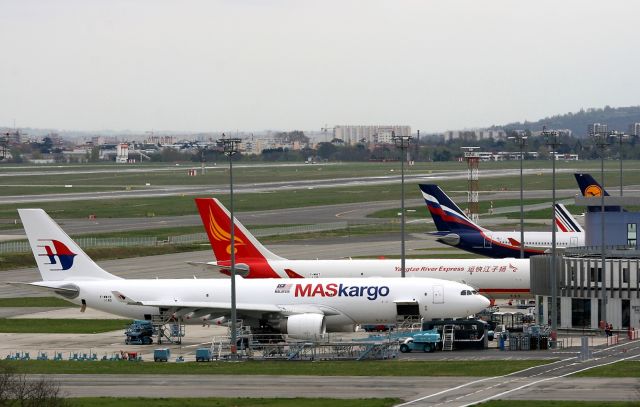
{"points": [[565, 222], [57, 255], [446, 215], [217, 222], [589, 187]]}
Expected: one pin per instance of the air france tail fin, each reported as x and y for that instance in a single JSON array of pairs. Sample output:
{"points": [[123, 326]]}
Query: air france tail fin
{"points": [[217, 222], [57, 255], [565, 222], [446, 215], [589, 187]]}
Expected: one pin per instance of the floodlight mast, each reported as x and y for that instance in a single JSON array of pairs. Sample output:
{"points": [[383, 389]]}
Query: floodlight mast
{"points": [[401, 142], [552, 141], [521, 139], [600, 139], [230, 148]]}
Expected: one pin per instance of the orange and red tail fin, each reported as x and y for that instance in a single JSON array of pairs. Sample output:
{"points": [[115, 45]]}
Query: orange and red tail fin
{"points": [[217, 222]]}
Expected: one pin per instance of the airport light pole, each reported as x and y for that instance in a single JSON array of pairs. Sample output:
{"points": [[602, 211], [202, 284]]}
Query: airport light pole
{"points": [[600, 140], [401, 142], [230, 148], [621, 137], [521, 139], [551, 140]]}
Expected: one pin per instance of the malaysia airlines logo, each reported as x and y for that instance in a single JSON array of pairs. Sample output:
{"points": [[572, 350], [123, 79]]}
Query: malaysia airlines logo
{"points": [[283, 288], [222, 235], [58, 254]]}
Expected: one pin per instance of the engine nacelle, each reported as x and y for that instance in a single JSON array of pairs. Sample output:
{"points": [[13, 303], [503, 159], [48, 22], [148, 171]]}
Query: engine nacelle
{"points": [[306, 326]]}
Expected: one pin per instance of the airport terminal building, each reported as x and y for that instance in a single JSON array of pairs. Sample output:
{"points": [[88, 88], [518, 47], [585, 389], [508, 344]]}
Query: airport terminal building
{"points": [[580, 276]]}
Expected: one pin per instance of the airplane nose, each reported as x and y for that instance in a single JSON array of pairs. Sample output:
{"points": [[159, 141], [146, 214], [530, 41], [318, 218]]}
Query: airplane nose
{"points": [[485, 301]]}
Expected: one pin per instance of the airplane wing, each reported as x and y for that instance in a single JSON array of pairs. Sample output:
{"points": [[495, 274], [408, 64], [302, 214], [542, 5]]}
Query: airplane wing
{"points": [[225, 307]]}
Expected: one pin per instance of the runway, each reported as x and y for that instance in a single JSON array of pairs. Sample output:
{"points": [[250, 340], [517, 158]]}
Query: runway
{"points": [[344, 387], [143, 191]]}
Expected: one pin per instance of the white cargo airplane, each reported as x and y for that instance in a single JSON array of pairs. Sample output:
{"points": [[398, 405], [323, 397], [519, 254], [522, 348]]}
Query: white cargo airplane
{"points": [[494, 278], [301, 308]]}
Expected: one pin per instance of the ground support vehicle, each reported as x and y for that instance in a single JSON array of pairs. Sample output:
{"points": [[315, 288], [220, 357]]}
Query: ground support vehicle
{"points": [[140, 332], [161, 355], [426, 341]]}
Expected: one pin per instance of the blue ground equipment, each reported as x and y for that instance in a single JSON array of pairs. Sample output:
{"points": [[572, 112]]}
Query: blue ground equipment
{"points": [[161, 355], [140, 332], [426, 341], [203, 355]]}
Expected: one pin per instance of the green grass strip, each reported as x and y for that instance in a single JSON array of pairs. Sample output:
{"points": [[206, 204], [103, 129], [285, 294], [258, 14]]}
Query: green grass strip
{"points": [[318, 368], [626, 368], [228, 402], [61, 326], [35, 302]]}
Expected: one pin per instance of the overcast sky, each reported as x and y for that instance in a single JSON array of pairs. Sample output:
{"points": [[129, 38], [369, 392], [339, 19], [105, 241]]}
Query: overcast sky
{"points": [[295, 64]]}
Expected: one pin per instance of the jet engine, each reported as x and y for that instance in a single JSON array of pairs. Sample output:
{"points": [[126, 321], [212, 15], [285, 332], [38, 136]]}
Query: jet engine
{"points": [[306, 326]]}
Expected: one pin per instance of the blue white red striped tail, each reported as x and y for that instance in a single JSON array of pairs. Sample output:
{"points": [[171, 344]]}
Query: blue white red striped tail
{"points": [[446, 215], [565, 222]]}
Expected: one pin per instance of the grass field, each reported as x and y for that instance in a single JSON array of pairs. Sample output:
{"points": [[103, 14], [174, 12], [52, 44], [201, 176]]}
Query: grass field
{"points": [[182, 205], [228, 402], [35, 302], [621, 369], [61, 326], [317, 368]]}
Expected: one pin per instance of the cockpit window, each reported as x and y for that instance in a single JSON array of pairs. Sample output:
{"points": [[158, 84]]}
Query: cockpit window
{"points": [[467, 292], [474, 292]]}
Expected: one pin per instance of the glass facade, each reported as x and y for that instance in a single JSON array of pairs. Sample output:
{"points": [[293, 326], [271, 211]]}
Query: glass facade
{"points": [[581, 313]]}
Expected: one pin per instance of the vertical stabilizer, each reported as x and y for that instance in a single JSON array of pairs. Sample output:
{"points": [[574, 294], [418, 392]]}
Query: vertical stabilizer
{"points": [[589, 187], [565, 222], [217, 222], [446, 215], [57, 255]]}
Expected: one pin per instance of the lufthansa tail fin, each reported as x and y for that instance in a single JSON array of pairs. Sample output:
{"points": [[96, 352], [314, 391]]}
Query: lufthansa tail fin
{"points": [[57, 255], [565, 222], [217, 222], [446, 215], [589, 187]]}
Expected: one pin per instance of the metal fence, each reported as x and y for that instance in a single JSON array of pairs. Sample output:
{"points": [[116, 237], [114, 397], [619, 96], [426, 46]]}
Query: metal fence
{"points": [[22, 246]]}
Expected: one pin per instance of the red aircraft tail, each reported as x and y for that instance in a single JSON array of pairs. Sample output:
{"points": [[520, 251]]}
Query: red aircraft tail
{"points": [[217, 222]]}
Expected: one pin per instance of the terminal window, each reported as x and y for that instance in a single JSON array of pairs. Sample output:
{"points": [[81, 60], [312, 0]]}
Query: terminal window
{"points": [[632, 234]]}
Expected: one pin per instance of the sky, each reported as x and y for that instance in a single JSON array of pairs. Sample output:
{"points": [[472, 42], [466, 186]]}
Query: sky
{"points": [[252, 65]]}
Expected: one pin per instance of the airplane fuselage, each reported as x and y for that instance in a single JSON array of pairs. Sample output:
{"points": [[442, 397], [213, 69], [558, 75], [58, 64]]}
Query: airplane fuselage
{"points": [[345, 301], [507, 244], [494, 278]]}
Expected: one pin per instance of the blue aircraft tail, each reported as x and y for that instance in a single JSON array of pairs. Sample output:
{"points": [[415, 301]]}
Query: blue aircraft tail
{"points": [[446, 215], [589, 187]]}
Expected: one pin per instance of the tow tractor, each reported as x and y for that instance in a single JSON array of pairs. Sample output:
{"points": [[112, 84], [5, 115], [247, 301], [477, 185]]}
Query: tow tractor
{"points": [[140, 332], [426, 341]]}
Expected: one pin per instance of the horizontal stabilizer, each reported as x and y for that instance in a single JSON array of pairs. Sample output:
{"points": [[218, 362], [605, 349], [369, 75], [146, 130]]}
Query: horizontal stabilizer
{"points": [[452, 239], [242, 269], [66, 290]]}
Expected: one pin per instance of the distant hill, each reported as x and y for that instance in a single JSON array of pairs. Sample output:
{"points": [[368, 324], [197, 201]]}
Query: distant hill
{"points": [[618, 118]]}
